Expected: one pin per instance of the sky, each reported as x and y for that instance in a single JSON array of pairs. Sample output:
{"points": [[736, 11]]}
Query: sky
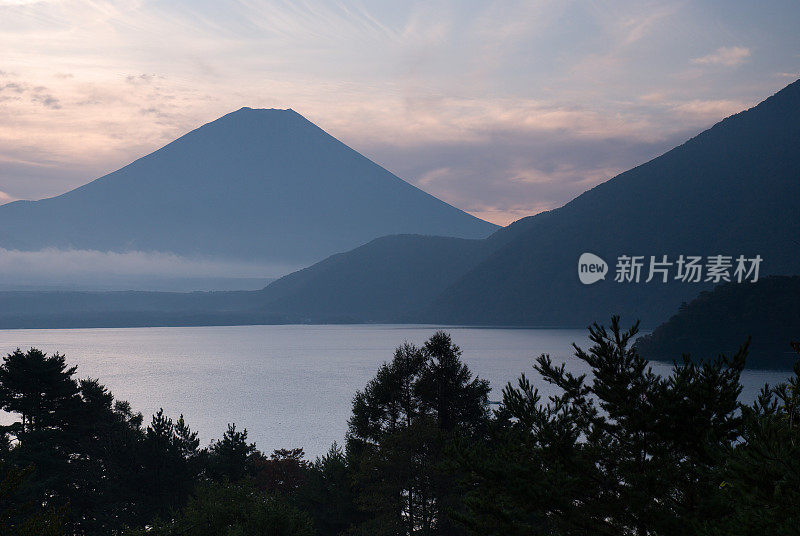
{"points": [[503, 109]]}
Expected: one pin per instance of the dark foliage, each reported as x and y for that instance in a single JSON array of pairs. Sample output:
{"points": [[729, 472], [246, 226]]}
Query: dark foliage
{"points": [[400, 426], [619, 451], [768, 311], [20, 518], [625, 452], [233, 509], [760, 477]]}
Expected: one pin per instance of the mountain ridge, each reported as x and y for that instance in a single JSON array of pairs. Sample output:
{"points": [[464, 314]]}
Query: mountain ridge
{"points": [[731, 190], [728, 190], [767, 313], [261, 184]]}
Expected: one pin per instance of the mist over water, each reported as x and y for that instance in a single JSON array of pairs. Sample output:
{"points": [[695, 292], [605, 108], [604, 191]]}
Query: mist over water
{"points": [[290, 386], [81, 269]]}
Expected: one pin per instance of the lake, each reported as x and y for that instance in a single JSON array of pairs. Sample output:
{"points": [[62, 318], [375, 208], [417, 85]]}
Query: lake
{"points": [[290, 386]]}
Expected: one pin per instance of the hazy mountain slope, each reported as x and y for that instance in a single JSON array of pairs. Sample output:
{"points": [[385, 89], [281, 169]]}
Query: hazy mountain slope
{"points": [[734, 189], [70, 309], [391, 279], [29, 302], [388, 279], [719, 321], [253, 185]]}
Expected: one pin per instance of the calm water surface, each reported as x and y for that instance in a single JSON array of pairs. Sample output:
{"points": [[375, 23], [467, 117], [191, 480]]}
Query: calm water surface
{"points": [[290, 386]]}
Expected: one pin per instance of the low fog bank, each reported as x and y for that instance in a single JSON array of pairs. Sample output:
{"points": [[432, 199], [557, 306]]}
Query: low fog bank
{"points": [[55, 269]]}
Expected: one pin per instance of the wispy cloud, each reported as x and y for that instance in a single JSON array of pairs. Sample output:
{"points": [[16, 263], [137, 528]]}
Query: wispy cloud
{"points": [[541, 91], [512, 174], [140, 79], [711, 109], [636, 27], [50, 264], [727, 56], [46, 99], [37, 94]]}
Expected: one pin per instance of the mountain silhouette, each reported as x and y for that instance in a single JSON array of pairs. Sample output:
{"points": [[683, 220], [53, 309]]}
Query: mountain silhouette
{"points": [[263, 185], [731, 190], [719, 321]]}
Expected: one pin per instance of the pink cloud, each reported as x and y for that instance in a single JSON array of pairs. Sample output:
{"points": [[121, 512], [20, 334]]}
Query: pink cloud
{"points": [[727, 56]]}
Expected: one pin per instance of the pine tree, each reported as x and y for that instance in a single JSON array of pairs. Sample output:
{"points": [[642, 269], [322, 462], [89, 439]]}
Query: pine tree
{"points": [[171, 464], [81, 445], [622, 452], [328, 494], [38, 387], [447, 390], [760, 476], [400, 426], [230, 457]]}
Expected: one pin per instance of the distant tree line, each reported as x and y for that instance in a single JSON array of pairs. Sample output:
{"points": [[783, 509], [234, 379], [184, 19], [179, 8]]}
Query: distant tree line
{"points": [[619, 451], [717, 320]]}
